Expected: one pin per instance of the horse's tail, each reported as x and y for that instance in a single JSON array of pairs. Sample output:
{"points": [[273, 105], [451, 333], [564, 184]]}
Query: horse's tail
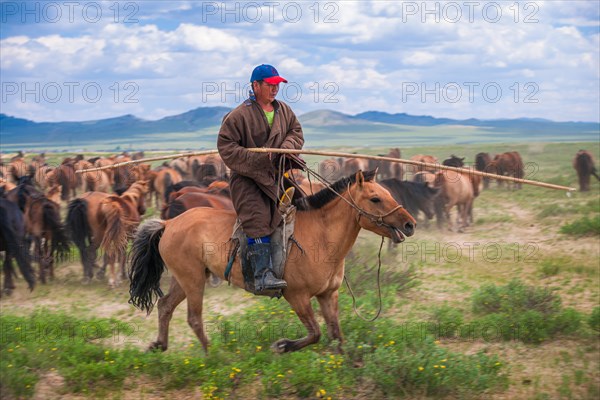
{"points": [[147, 266], [168, 186], [78, 224], [60, 240], [17, 247], [114, 242], [63, 180]]}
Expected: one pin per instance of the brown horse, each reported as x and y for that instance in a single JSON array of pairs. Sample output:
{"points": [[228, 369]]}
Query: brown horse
{"points": [[99, 220], [42, 224], [64, 175], [422, 158], [508, 164], [456, 190], [163, 180], [481, 162], [191, 200], [388, 169], [584, 165], [198, 241]]}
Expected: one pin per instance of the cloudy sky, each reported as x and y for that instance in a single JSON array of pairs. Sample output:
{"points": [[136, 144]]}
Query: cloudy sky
{"points": [[76, 60]]}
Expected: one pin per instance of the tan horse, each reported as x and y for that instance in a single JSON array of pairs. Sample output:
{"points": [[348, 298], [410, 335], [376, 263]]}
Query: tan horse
{"points": [[457, 189], [197, 242], [99, 220]]}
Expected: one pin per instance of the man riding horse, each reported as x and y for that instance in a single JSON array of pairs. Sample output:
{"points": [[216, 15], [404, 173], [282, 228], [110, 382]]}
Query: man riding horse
{"points": [[260, 121]]}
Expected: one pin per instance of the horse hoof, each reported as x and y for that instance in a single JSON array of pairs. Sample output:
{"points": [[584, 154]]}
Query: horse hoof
{"points": [[280, 346], [156, 346]]}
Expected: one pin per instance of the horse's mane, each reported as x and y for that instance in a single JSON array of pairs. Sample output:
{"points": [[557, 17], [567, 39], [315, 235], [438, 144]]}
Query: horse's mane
{"points": [[328, 194]]}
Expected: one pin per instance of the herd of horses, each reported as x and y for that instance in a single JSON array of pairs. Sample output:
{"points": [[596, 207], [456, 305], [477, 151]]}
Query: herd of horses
{"points": [[106, 214]]}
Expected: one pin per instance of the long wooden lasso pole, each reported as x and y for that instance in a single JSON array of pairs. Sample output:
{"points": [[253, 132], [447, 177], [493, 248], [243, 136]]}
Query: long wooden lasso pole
{"points": [[345, 155]]}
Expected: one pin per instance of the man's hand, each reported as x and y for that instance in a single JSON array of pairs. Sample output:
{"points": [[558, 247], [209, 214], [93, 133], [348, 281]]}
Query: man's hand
{"points": [[294, 161]]}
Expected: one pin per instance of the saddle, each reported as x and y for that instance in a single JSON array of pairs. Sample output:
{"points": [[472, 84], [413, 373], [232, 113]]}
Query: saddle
{"points": [[281, 241]]}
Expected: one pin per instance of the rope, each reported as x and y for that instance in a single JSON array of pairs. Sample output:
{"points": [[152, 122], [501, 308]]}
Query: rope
{"points": [[378, 289]]}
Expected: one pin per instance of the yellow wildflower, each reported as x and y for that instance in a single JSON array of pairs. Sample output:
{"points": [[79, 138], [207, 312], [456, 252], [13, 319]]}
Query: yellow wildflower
{"points": [[421, 368]]}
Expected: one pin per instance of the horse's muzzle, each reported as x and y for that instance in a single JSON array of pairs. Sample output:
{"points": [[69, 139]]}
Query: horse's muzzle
{"points": [[409, 228]]}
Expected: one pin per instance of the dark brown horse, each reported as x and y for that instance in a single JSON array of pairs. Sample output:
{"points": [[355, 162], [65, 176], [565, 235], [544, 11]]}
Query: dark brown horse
{"points": [[64, 175], [99, 220], [14, 245], [43, 225], [508, 164], [584, 165], [191, 200], [481, 162], [198, 241], [414, 196], [454, 161]]}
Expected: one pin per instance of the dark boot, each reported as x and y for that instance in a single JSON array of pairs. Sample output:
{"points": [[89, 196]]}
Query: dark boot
{"points": [[264, 279]]}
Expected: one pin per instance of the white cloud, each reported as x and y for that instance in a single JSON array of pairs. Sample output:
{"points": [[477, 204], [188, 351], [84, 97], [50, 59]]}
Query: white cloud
{"points": [[368, 49]]}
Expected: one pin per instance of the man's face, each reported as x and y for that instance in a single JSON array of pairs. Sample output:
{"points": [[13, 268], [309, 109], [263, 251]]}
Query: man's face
{"points": [[265, 92]]}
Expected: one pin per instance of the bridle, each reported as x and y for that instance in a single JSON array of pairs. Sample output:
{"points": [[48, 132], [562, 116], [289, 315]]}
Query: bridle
{"points": [[376, 219]]}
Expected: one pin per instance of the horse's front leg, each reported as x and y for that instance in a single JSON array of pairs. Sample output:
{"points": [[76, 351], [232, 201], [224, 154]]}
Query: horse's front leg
{"points": [[166, 305], [9, 285], [48, 258], [40, 256], [301, 305], [329, 307]]}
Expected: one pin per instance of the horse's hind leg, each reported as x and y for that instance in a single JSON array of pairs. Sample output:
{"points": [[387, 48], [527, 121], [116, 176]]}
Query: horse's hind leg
{"points": [[329, 307], [9, 285], [302, 307], [166, 305]]}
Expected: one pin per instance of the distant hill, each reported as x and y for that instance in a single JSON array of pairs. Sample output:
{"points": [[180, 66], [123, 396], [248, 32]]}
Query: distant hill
{"points": [[198, 128]]}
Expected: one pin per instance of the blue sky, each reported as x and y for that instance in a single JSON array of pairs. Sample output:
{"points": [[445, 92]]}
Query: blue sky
{"points": [[77, 60]]}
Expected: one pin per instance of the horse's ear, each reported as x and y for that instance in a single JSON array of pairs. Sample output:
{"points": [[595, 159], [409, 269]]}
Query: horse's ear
{"points": [[360, 178], [375, 174]]}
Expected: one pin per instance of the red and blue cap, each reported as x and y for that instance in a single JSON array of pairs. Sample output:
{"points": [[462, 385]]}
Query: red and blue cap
{"points": [[267, 73]]}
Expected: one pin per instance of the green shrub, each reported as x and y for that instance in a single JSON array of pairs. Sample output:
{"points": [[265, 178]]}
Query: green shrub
{"points": [[594, 319], [582, 227], [513, 298], [431, 370], [520, 312], [446, 322]]}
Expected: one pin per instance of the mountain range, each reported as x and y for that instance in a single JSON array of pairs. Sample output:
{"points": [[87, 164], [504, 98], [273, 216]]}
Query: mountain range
{"points": [[323, 127]]}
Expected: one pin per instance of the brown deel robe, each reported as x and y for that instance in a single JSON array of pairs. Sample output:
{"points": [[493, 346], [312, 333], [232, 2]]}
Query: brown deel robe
{"points": [[253, 180]]}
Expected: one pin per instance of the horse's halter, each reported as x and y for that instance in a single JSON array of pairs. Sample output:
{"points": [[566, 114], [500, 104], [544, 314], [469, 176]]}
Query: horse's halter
{"points": [[376, 219]]}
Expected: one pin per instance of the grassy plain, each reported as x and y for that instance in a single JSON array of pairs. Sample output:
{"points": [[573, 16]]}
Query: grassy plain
{"points": [[508, 309]]}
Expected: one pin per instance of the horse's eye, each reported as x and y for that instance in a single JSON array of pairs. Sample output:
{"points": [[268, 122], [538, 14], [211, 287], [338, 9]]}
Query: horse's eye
{"points": [[376, 200]]}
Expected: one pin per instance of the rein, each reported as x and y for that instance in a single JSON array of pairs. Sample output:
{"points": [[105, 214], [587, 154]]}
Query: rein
{"points": [[376, 219], [378, 289]]}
